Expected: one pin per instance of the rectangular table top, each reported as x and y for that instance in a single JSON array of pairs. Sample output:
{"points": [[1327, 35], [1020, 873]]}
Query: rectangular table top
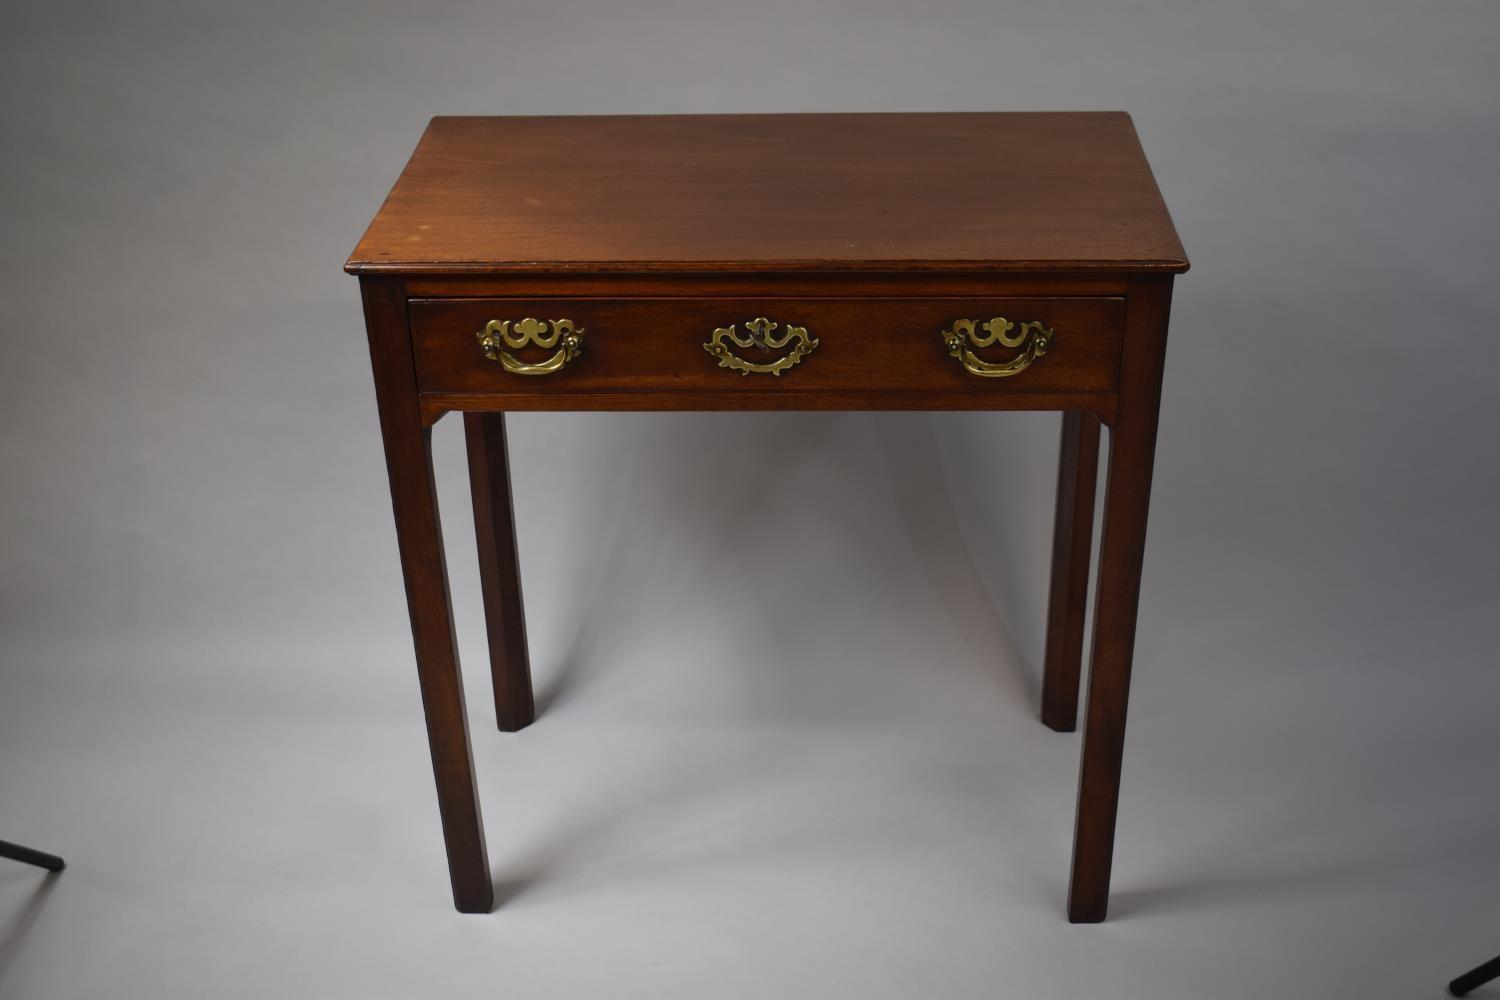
{"points": [[1033, 191]]}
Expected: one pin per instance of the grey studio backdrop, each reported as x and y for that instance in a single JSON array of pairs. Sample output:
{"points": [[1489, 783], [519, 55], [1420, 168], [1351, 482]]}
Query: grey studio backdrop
{"points": [[788, 663]]}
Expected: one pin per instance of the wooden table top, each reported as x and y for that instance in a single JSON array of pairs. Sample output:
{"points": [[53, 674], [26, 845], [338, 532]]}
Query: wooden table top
{"points": [[1044, 191]]}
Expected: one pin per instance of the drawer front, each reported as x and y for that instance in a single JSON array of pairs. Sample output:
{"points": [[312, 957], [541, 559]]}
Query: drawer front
{"points": [[985, 346]]}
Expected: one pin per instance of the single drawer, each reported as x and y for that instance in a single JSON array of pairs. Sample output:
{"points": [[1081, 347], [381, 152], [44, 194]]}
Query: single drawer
{"points": [[779, 346]]}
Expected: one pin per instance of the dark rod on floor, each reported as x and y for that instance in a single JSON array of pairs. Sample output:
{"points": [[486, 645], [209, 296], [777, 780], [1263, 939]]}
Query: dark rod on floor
{"points": [[1475, 978], [26, 855]]}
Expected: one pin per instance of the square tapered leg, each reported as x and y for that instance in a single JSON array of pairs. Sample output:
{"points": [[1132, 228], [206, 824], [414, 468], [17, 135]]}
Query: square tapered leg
{"points": [[499, 569], [1132, 450], [408, 455], [1072, 550]]}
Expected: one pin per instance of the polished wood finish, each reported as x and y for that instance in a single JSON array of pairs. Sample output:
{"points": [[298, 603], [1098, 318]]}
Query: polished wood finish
{"points": [[499, 569], [781, 284], [419, 534], [874, 232], [865, 346], [755, 193], [1122, 547], [434, 405], [1072, 551]]}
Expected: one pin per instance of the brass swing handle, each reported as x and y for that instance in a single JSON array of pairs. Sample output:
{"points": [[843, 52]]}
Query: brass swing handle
{"points": [[960, 339], [759, 335], [498, 334]]}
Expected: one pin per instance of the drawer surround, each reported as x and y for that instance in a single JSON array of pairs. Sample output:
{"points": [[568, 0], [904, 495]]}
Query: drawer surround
{"points": [[864, 345]]}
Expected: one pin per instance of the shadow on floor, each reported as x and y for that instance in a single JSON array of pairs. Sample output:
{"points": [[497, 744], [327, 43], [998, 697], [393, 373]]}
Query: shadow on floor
{"points": [[927, 510], [704, 488]]}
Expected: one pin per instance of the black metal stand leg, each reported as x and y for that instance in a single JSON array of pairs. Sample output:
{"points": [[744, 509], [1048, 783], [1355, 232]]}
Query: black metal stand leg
{"points": [[26, 855], [1475, 978]]}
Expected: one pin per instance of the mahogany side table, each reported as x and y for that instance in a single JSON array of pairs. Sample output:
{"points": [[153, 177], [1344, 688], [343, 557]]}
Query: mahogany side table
{"points": [[1009, 261]]}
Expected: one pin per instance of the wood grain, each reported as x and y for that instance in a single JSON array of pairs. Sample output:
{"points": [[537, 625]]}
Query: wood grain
{"points": [[864, 345], [499, 569], [782, 284], [874, 232], [1132, 451], [1012, 191], [1072, 552], [419, 535], [435, 405]]}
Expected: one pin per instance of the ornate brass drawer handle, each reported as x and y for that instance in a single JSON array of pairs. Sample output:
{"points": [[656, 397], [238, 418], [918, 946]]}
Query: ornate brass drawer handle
{"points": [[498, 334], [961, 338], [760, 336]]}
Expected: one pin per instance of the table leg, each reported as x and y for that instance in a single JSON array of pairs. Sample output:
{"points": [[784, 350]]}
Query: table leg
{"points": [[1127, 494], [499, 570], [1072, 550], [408, 454]]}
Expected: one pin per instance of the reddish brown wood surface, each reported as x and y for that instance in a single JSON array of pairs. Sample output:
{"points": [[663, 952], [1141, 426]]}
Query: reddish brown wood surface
{"points": [[1132, 450], [435, 405], [771, 284], [864, 346], [1072, 551], [499, 569], [419, 534], [874, 232], [1012, 191]]}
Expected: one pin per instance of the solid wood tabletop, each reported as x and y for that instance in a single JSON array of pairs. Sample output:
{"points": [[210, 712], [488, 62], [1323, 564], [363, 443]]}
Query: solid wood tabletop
{"points": [[1043, 191]]}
